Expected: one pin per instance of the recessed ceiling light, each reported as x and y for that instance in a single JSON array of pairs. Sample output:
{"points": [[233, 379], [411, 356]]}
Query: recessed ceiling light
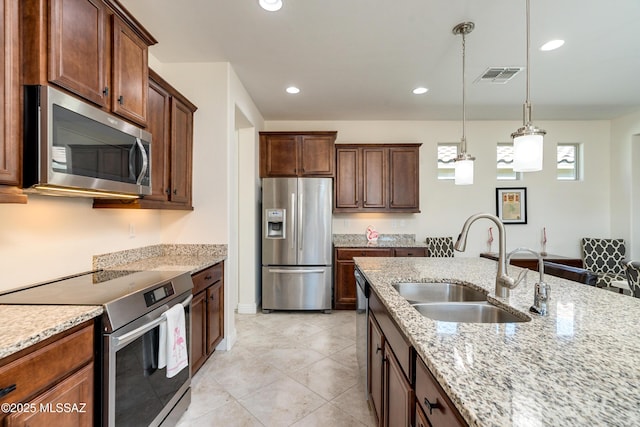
{"points": [[551, 45], [271, 5], [420, 90], [293, 90]]}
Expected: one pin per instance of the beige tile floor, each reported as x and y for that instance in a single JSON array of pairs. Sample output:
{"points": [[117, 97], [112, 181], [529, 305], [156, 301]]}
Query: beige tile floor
{"points": [[286, 369]]}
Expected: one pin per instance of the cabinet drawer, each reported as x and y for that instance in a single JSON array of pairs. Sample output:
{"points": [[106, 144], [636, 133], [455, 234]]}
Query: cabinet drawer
{"points": [[432, 399], [40, 369], [348, 254], [207, 277], [410, 252], [401, 348]]}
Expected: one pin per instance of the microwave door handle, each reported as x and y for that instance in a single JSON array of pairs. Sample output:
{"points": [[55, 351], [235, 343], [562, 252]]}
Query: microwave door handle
{"points": [[132, 164], [145, 161]]}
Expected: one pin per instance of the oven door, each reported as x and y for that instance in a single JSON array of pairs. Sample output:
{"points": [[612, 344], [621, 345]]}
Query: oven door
{"points": [[136, 392]]}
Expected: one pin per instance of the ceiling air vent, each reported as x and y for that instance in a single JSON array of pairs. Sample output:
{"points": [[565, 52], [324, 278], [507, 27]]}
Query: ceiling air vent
{"points": [[498, 75]]}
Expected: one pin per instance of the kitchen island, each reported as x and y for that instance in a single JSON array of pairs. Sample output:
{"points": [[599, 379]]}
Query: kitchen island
{"points": [[577, 366]]}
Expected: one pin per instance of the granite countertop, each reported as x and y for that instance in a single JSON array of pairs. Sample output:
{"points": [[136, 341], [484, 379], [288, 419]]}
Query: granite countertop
{"points": [[577, 366], [24, 325], [384, 241]]}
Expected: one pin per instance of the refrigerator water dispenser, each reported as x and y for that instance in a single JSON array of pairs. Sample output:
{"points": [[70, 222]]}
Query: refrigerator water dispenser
{"points": [[275, 223]]}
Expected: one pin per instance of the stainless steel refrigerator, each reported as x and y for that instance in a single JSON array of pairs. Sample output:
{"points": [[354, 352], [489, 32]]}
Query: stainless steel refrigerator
{"points": [[296, 243]]}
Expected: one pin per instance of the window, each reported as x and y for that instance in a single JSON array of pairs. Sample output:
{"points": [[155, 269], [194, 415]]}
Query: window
{"points": [[568, 155], [447, 153], [504, 161]]}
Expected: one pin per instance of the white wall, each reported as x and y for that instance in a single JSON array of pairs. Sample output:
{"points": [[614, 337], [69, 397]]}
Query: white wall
{"points": [[568, 210], [625, 181], [51, 237]]}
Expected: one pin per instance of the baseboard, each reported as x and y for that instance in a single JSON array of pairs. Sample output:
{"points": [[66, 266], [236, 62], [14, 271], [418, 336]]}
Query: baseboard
{"points": [[247, 308]]}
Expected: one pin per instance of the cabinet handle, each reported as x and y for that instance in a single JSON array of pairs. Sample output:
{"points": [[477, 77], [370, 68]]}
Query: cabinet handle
{"points": [[7, 390], [410, 254], [431, 406], [208, 277], [378, 349], [105, 91], [212, 298], [121, 100], [175, 191]]}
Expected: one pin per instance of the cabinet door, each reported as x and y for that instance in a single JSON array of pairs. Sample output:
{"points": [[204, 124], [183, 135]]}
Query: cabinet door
{"points": [[316, 155], [198, 331], [375, 356], [347, 186], [159, 127], [130, 73], [181, 152], [374, 177], [345, 286], [399, 399], [10, 115], [403, 179], [75, 390], [78, 48], [278, 155], [215, 315]]}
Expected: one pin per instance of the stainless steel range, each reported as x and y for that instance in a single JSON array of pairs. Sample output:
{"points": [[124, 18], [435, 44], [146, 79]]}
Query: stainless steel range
{"points": [[134, 390]]}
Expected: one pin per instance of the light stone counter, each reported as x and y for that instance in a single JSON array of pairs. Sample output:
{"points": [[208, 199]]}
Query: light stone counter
{"points": [[384, 241], [24, 325], [579, 366]]}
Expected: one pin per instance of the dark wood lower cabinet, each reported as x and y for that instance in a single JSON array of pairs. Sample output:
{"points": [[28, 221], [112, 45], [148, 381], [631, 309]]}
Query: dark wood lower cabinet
{"points": [[402, 391], [344, 291], [57, 370], [207, 314], [390, 390]]}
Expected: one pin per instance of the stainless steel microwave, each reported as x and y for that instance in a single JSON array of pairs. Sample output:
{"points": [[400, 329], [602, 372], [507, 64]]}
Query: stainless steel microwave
{"points": [[73, 148]]}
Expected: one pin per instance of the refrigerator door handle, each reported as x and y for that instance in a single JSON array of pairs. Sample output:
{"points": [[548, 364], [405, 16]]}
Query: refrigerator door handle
{"points": [[293, 220], [288, 271], [300, 222]]}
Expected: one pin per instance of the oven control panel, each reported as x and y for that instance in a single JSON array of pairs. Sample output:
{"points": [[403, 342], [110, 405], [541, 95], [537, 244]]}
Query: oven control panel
{"points": [[158, 294]]}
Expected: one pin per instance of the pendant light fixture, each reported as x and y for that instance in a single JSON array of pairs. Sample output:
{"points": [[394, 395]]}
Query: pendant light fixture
{"points": [[463, 162], [527, 141]]}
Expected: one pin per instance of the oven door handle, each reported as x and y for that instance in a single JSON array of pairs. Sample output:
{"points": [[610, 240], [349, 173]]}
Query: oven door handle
{"points": [[121, 341]]}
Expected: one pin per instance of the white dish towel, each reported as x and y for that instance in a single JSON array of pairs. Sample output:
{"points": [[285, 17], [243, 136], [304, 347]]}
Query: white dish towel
{"points": [[172, 348]]}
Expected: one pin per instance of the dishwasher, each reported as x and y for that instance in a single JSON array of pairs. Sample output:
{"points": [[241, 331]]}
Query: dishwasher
{"points": [[362, 335]]}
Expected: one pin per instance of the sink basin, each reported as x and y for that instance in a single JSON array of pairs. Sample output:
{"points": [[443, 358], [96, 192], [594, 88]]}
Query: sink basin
{"points": [[438, 292], [467, 312]]}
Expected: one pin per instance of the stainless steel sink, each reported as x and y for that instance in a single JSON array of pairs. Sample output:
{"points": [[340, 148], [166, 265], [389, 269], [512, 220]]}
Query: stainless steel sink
{"points": [[438, 292], [468, 312]]}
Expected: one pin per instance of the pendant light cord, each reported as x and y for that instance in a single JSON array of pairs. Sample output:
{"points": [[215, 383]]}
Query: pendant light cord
{"points": [[464, 112]]}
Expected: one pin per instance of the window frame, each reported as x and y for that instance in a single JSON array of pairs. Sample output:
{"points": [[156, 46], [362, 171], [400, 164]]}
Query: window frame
{"points": [[517, 176], [577, 169], [440, 177]]}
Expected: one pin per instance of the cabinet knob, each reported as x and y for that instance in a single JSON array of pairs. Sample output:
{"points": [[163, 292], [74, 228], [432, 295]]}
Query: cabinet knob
{"points": [[431, 406], [175, 191], [208, 277], [121, 100], [212, 297], [105, 91], [378, 349], [168, 191]]}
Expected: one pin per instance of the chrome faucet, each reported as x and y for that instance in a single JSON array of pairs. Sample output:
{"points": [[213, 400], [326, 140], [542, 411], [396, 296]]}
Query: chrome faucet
{"points": [[503, 281], [541, 291]]}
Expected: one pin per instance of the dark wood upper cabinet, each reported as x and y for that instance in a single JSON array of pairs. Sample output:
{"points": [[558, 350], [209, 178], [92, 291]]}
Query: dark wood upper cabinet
{"points": [[130, 78], [287, 154], [171, 128], [377, 178], [10, 108], [92, 48]]}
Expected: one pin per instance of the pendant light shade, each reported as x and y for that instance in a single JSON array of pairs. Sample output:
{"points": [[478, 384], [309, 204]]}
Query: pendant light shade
{"points": [[464, 162], [464, 171], [528, 140]]}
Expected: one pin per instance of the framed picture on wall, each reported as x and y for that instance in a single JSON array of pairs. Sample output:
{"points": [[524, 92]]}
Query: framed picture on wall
{"points": [[511, 205]]}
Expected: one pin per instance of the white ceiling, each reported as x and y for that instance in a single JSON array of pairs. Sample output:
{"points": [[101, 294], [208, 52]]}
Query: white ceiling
{"points": [[360, 59]]}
